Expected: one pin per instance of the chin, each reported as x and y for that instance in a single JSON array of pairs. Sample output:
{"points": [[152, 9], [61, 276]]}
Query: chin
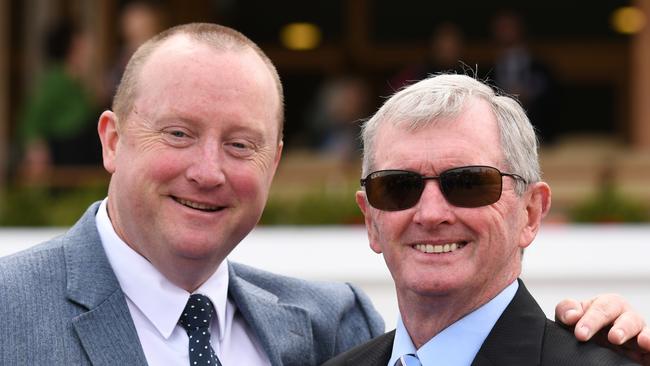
{"points": [[196, 246], [195, 254], [434, 284]]}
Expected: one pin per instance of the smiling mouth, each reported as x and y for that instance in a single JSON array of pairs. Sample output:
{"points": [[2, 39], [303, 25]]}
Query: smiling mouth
{"points": [[439, 248], [198, 206]]}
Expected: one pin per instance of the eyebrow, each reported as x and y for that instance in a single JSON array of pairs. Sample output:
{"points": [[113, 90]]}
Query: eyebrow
{"points": [[190, 119]]}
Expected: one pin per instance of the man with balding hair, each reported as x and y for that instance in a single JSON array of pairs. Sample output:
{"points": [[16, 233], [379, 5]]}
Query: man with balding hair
{"points": [[192, 144]]}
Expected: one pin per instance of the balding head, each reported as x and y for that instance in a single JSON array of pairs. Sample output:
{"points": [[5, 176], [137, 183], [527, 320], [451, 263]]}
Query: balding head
{"points": [[216, 36]]}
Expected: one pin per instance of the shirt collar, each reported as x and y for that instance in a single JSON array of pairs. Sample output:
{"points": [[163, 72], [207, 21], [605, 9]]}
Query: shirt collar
{"points": [[158, 299], [459, 343], [402, 345]]}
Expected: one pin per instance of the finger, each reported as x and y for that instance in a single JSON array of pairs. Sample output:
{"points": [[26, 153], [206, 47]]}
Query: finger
{"points": [[602, 311], [643, 339], [568, 311], [626, 326]]}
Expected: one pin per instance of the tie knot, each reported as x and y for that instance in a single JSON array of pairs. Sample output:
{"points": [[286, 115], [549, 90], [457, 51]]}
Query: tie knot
{"points": [[197, 313], [408, 360]]}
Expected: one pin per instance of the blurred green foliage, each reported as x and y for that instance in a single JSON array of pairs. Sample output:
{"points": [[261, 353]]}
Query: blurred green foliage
{"points": [[40, 206], [37, 206], [318, 207], [608, 205]]}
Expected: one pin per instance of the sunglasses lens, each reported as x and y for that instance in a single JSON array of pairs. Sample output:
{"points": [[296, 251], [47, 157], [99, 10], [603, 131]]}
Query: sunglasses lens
{"points": [[471, 186], [393, 190]]}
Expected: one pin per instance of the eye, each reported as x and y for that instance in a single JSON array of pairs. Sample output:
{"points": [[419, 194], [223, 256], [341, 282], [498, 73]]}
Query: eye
{"points": [[178, 137], [241, 148], [240, 145], [177, 133]]}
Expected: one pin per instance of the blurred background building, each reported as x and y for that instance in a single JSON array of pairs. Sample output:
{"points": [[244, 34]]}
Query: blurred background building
{"points": [[582, 70]]}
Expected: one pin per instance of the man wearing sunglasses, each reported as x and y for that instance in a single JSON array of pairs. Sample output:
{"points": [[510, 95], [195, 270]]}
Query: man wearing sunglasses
{"points": [[452, 195]]}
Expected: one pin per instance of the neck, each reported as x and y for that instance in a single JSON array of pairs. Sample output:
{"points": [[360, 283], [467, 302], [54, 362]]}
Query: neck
{"points": [[424, 316], [188, 274]]}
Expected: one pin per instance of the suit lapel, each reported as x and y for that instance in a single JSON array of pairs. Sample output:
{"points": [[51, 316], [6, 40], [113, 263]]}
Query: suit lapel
{"points": [[376, 352], [108, 335], [106, 331], [516, 338], [283, 330]]}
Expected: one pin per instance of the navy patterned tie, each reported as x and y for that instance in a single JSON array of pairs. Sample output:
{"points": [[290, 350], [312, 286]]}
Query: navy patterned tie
{"points": [[196, 319]]}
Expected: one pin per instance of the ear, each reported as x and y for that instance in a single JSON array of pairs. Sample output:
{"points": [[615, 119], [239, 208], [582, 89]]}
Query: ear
{"points": [[278, 154], [537, 207], [362, 202], [109, 136], [273, 166]]}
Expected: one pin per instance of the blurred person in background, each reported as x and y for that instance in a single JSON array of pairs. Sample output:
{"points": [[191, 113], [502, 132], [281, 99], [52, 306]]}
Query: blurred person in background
{"points": [[444, 54], [139, 20], [333, 122], [57, 123], [520, 73]]}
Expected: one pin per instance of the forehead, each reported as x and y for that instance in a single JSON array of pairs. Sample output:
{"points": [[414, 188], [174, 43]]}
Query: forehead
{"points": [[470, 138], [183, 71]]}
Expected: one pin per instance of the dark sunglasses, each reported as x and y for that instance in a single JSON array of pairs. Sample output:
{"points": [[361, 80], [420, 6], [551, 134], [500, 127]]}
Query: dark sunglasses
{"points": [[467, 186]]}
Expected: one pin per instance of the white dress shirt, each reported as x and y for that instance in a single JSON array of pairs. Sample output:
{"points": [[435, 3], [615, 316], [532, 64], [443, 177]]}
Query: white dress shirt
{"points": [[156, 305]]}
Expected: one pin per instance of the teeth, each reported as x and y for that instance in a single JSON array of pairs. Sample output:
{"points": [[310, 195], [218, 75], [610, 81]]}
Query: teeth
{"points": [[442, 248], [196, 205]]}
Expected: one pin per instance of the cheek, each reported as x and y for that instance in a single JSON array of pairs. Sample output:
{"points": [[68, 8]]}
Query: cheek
{"points": [[249, 184], [164, 167], [499, 228], [513, 220], [391, 228]]}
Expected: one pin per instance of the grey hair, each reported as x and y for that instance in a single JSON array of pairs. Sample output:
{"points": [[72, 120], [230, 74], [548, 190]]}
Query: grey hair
{"points": [[445, 96]]}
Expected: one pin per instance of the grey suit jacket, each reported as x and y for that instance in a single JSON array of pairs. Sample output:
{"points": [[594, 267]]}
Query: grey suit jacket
{"points": [[521, 337], [61, 304]]}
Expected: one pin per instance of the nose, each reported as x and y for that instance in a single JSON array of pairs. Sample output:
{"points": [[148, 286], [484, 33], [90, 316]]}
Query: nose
{"points": [[206, 169], [432, 208]]}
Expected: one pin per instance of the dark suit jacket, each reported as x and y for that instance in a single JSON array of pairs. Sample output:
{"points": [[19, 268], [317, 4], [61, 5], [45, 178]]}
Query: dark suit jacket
{"points": [[521, 337], [61, 304]]}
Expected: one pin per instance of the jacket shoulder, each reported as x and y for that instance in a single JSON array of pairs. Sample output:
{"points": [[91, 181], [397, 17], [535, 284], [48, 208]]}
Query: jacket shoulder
{"points": [[339, 312], [26, 270], [561, 348], [304, 292]]}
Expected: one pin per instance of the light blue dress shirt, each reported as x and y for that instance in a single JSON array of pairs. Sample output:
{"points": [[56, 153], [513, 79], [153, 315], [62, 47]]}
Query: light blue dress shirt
{"points": [[458, 344]]}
